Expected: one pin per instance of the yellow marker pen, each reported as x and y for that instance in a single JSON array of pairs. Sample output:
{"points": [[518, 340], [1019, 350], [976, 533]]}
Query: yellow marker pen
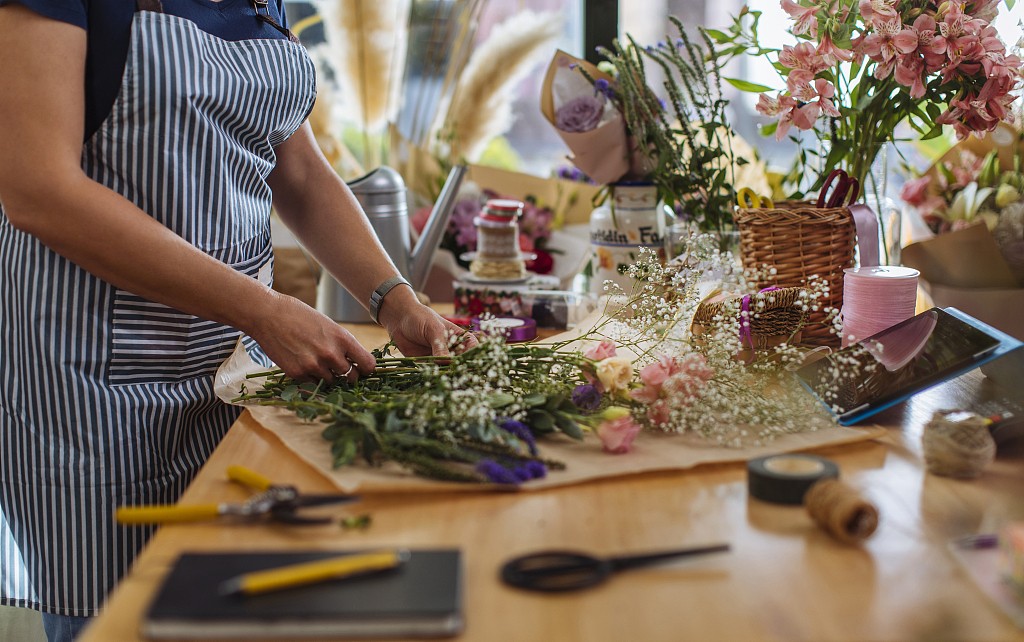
{"points": [[332, 568]]}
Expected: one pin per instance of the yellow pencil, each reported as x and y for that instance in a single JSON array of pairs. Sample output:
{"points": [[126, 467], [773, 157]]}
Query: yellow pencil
{"points": [[305, 573]]}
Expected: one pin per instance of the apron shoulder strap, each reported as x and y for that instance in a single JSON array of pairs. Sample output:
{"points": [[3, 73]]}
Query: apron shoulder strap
{"points": [[149, 5]]}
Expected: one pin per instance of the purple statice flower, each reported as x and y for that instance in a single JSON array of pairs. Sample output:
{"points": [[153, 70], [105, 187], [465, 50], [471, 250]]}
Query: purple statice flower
{"points": [[586, 397], [495, 472], [581, 114], [520, 431], [461, 226], [604, 88], [529, 470], [575, 174]]}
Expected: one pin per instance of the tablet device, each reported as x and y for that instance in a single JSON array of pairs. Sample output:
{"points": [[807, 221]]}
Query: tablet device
{"points": [[891, 366]]}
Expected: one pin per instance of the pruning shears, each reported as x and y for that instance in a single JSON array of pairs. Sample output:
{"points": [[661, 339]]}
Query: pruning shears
{"points": [[277, 502], [847, 188]]}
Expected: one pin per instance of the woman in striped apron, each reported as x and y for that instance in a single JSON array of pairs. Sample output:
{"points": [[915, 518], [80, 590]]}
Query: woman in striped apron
{"points": [[130, 266]]}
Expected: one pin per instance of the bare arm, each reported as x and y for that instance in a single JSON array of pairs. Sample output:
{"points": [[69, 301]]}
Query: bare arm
{"points": [[322, 212], [45, 193]]}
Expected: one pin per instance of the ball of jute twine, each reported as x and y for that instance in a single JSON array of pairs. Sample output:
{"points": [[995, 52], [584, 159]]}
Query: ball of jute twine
{"points": [[841, 511]]}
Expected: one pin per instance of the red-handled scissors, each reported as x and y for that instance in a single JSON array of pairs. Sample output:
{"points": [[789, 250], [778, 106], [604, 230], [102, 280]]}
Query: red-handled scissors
{"points": [[845, 192]]}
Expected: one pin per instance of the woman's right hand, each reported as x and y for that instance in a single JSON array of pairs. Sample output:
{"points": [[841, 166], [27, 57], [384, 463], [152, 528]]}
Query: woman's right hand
{"points": [[307, 344]]}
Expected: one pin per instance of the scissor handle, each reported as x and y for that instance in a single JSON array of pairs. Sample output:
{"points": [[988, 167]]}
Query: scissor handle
{"points": [[846, 191], [162, 514], [555, 571], [747, 198], [250, 478]]}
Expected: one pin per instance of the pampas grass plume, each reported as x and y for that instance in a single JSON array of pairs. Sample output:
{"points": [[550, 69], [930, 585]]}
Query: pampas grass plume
{"points": [[366, 41], [481, 107]]}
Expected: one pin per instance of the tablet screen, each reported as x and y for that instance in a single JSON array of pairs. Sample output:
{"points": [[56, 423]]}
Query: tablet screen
{"points": [[895, 363]]}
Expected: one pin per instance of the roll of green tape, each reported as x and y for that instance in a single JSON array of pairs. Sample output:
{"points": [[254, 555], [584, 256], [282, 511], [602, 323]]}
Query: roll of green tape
{"points": [[785, 479]]}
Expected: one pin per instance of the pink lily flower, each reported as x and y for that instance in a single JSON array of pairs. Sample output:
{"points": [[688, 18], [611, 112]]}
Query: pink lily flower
{"points": [[878, 11], [805, 18], [889, 40], [950, 28], [821, 90], [770, 106], [803, 56], [909, 72], [828, 51]]}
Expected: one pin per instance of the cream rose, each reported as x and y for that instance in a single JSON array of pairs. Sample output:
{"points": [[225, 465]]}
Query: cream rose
{"points": [[615, 373]]}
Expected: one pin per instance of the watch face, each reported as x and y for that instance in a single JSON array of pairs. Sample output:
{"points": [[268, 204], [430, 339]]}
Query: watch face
{"points": [[896, 362]]}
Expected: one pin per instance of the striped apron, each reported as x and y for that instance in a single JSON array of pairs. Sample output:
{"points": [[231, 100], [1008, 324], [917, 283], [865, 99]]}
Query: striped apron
{"points": [[106, 399]]}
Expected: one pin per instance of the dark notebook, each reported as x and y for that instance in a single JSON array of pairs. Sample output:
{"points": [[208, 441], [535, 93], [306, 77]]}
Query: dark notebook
{"points": [[421, 598]]}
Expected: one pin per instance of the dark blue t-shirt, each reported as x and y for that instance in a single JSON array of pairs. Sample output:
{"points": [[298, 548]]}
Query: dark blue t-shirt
{"points": [[108, 23]]}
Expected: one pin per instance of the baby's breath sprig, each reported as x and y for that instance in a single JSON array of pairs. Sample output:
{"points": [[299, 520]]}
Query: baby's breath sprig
{"points": [[702, 385]]}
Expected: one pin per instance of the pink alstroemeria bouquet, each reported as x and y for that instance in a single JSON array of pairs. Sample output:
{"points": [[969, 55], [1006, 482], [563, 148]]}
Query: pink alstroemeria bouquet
{"points": [[862, 67]]}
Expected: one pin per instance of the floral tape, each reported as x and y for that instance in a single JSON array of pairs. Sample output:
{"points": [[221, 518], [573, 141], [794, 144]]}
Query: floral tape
{"points": [[785, 479], [516, 329]]}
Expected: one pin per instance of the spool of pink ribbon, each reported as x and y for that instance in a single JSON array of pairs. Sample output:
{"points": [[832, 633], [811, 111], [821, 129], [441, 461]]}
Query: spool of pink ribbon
{"points": [[876, 298]]}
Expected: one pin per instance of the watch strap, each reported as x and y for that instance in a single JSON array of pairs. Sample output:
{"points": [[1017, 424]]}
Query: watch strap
{"points": [[382, 290]]}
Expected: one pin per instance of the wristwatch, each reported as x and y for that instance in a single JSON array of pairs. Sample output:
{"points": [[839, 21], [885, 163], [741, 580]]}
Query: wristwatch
{"points": [[382, 291]]}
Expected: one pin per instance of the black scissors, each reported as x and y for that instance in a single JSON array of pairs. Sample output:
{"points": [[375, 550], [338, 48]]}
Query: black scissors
{"points": [[558, 571], [847, 188]]}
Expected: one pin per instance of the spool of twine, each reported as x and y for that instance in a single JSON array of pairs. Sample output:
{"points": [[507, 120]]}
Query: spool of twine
{"points": [[841, 511], [957, 443], [875, 298]]}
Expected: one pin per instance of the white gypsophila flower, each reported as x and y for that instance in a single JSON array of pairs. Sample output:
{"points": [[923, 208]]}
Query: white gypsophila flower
{"points": [[743, 402]]}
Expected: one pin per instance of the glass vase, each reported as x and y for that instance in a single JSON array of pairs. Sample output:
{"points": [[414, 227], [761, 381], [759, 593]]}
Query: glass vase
{"points": [[888, 213]]}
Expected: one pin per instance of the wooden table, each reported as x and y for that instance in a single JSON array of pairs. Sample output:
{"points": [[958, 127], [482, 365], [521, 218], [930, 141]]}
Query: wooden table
{"points": [[784, 579]]}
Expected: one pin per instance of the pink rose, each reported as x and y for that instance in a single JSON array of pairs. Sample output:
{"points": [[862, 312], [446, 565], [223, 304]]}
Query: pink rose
{"points": [[600, 351], [617, 435], [656, 373]]}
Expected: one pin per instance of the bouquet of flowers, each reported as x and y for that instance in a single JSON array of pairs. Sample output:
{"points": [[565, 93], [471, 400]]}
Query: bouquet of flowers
{"points": [[969, 188], [859, 68], [620, 129], [481, 415]]}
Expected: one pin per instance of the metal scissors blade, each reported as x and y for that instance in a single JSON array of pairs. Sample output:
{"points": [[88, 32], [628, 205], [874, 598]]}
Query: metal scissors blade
{"points": [[558, 571], [845, 192]]}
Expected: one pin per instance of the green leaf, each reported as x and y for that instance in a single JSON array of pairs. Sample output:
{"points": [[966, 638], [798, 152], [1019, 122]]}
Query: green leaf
{"points": [[746, 85], [393, 423], [290, 393], [540, 421], [769, 129], [344, 452], [569, 426], [367, 420], [534, 399], [500, 400], [718, 36], [1010, 4]]}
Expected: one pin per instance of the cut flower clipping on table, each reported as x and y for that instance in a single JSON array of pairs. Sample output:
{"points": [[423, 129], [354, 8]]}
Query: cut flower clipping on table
{"points": [[484, 415]]}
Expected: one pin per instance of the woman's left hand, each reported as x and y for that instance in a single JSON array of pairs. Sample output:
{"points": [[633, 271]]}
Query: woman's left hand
{"points": [[418, 330]]}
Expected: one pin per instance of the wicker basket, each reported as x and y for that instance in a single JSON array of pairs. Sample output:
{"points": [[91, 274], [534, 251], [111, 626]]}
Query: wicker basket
{"points": [[774, 320], [800, 240]]}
